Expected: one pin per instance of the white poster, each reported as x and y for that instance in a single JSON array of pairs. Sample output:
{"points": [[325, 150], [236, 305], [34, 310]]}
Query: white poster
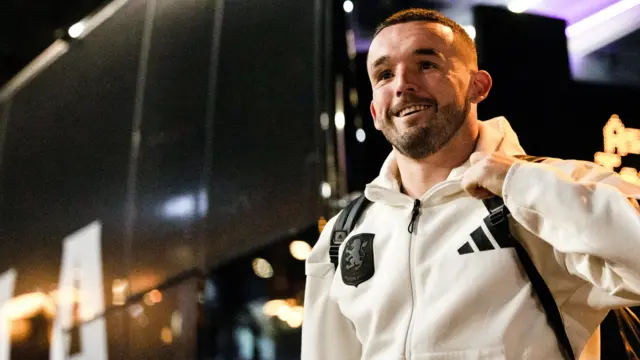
{"points": [[7, 279], [81, 281]]}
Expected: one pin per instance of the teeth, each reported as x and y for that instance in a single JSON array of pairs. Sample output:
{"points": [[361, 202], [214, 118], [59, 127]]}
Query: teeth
{"points": [[411, 109]]}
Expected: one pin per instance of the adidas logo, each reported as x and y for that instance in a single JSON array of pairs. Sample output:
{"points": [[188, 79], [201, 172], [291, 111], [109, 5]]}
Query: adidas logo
{"points": [[481, 240]]}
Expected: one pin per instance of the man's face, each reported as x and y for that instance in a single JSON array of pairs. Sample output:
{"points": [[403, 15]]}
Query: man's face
{"points": [[420, 82]]}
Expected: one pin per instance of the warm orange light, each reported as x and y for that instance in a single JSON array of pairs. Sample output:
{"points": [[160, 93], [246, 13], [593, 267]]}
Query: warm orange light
{"points": [[272, 307], [147, 299], [20, 330], [322, 222], [119, 291], [166, 335], [617, 137], [155, 296], [283, 312], [29, 305], [295, 317], [630, 175], [619, 141], [610, 161]]}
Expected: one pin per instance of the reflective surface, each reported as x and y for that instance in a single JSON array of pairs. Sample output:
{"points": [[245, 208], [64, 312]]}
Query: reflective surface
{"points": [[186, 140], [254, 304]]}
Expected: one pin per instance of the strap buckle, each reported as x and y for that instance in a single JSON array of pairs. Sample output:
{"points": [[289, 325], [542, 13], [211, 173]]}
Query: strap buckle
{"points": [[337, 238], [499, 216]]}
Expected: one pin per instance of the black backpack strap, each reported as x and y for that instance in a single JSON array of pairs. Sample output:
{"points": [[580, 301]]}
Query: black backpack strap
{"points": [[498, 224], [345, 222]]}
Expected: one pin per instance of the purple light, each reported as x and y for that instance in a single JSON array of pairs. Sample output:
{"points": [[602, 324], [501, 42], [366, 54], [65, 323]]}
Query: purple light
{"points": [[571, 11]]}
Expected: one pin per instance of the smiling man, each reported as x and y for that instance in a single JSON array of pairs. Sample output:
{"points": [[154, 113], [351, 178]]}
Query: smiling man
{"points": [[425, 274], [426, 86]]}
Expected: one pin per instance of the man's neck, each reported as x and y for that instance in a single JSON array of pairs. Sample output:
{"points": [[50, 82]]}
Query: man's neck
{"points": [[418, 176]]}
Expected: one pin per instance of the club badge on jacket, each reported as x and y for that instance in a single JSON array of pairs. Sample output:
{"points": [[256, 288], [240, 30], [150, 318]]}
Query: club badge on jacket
{"points": [[357, 264]]}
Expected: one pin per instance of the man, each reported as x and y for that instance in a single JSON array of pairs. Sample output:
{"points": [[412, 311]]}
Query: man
{"points": [[427, 292]]}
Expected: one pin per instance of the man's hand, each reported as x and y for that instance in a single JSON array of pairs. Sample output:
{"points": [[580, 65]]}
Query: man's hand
{"points": [[486, 175]]}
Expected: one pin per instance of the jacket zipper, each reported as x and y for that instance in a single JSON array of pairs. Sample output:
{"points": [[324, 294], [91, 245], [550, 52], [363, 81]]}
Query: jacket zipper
{"points": [[414, 216]]}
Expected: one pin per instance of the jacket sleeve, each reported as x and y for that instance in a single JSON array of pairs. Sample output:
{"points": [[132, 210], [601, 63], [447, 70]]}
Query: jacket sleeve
{"points": [[326, 332], [591, 218]]}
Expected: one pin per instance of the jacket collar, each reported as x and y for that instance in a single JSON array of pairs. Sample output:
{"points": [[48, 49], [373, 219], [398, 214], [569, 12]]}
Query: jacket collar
{"points": [[494, 135]]}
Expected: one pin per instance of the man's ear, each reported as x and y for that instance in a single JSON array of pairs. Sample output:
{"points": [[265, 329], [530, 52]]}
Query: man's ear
{"points": [[480, 85], [376, 123]]}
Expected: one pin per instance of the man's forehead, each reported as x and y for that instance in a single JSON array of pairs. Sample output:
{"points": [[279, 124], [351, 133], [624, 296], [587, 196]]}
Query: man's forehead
{"points": [[408, 36]]}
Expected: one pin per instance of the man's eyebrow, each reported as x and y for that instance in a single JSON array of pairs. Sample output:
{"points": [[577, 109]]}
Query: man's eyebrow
{"points": [[428, 51], [379, 61], [420, 51]]}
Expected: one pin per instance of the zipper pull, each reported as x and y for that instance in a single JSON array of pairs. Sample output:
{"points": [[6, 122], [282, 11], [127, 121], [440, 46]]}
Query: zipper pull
{"points": [[414, 215]]}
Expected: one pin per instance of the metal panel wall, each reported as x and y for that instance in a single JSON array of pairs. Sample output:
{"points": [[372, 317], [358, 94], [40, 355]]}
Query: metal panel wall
{"points": [[188, 129], [266, 160]]}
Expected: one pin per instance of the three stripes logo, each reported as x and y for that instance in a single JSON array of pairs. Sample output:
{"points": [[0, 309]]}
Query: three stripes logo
{"points": [[482, 240]]}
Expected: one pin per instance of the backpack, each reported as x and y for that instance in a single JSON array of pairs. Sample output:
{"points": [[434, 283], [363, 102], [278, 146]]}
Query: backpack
{"points": [[497, 223]]}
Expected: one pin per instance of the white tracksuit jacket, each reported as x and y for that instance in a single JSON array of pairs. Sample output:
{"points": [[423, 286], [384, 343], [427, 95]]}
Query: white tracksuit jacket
{"points": [[579, 222]]}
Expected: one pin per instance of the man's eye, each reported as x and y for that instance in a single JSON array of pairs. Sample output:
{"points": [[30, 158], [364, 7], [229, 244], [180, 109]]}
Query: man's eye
{"points": [[426, 65], [384, 75]]}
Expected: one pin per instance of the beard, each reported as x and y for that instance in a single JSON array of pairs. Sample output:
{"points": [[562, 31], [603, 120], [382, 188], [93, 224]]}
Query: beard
{"points": [[426, 138]]}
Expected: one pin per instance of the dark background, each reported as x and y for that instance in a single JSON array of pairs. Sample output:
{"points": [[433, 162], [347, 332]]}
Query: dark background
{"points": [[175, 133], [231, 154]]}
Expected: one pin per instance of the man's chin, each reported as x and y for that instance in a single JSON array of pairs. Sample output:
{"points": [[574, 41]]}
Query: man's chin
{"points": [[417, 152], [415, 134], [416, 148], [419, 119]]}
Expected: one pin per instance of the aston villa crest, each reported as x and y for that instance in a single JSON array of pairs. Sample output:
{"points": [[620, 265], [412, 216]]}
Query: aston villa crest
{"points": [[356, 264]]}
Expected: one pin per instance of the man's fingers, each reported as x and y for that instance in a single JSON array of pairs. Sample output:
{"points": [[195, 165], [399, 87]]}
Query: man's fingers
{"points": [[480, 193], [472, 188], [486, 174], [472, 180]]}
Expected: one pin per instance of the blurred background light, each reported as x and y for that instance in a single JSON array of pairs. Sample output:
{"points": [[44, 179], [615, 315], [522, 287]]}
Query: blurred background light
{"points": [[299, 249], [471, 30], [325, 190], [347, 6], [180, 207], [339, 120], [262, 268], [519, 6], [76, 30]]}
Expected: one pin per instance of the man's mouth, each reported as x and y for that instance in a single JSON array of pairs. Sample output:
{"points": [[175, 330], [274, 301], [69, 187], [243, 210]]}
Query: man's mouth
{"points": [[409, 110]]}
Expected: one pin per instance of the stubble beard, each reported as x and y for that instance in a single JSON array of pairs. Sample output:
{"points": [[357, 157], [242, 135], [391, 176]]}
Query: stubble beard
{"points": [[427, 138]]}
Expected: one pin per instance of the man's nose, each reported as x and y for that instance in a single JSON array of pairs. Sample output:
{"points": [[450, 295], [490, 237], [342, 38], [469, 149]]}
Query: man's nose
{"points": [[404, 83]]}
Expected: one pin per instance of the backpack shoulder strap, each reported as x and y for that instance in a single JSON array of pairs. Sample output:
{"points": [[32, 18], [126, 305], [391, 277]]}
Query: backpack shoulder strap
{"points": [[345, 222], [498, 224], [531, 158]]}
